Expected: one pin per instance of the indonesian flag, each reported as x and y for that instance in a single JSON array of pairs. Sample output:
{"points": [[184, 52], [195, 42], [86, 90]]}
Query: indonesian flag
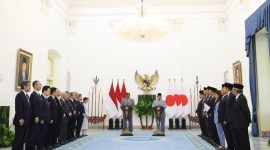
{"points": [[170, 101], [111, 104], [118, 93], [123, 91], [119, 99]]}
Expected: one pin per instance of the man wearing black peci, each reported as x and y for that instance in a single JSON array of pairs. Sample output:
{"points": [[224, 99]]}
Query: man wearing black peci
{"points": [[225, 111], [22, 115], [199, 112], [212, 132], [35, 117], [240, 119]]}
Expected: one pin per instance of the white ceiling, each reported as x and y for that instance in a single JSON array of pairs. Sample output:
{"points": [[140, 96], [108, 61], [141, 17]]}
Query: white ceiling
{"points": [[128, 3]]}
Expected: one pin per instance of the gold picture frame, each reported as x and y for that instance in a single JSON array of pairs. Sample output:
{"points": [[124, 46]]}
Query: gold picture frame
{"points": [[23, 67], [237, 73]]}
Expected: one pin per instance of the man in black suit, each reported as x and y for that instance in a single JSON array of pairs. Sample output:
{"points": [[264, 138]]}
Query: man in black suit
{"points": [[35, 117], [46, 112], [80, 112], [22, 115], [72, 119], [205, 92], [212, 131], [63, 120], [225, 113], [60, 115], [52, 130], [241, 118], [199, 112]]}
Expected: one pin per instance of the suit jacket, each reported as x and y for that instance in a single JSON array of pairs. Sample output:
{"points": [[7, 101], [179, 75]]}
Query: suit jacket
{"points": [[60, 110], [80, 109], [36, 106], [46, 112], [65, 107], [228, 107], [221, 109], [211, 103], [22, 109], [53, 109], [199, 109], [71, 107], [241, 113], [130, 103]]}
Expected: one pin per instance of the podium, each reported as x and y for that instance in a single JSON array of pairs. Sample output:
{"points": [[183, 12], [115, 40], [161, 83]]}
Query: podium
{"points": [[127, 111], [158, 110]]}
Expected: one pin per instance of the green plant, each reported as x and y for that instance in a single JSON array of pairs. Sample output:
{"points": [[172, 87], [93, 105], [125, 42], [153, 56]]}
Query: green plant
{"points": [[6, 136], [144, 105], [269, 142]]}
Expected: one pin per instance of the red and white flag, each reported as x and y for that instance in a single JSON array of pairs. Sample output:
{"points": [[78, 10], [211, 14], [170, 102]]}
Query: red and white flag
{"points": [[123, 91], [111, 104], [119, 99]]}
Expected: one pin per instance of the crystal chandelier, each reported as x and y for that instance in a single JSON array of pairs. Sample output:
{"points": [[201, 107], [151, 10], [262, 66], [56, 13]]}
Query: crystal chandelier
{"points": [[142, 27]]}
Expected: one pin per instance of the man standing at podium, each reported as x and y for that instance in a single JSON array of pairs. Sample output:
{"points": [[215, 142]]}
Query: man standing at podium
{"points": [[159, 107], [127, 106]]}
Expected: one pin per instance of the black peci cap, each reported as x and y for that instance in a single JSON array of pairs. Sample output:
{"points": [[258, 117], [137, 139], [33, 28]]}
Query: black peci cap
{"points": [[228, 85], [238, 86]]}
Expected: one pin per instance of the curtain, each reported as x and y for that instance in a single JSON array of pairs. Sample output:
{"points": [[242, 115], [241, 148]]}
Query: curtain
{"points": [[258, 20]]}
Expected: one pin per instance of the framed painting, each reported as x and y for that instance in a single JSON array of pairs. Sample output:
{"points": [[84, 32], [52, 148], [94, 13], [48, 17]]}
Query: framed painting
{"points": [[237, 72], [23, 68]]}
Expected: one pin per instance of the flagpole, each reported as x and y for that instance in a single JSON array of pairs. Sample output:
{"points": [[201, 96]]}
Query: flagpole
{"points": [[197, 88], [194, 105], [99, 101], [190, 108], [102, 105], [95, 99], [92, 110]]}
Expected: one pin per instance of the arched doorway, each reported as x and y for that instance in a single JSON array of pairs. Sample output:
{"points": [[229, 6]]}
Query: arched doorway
{"points": [[53, 62]]}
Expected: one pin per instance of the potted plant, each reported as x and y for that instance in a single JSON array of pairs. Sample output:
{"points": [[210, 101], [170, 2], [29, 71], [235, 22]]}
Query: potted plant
{"points": [[6, 136], [144, 108]]}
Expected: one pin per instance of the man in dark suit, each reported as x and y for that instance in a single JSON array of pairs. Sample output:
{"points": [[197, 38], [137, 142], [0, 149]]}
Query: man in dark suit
{"points": [[205, 92], [212, 131], [72, 119], [199, 112], [52, 130], [43, 136], [80, 112], [225, 113], [63, 120], [35, 117], [241, 118], [22, 115]]}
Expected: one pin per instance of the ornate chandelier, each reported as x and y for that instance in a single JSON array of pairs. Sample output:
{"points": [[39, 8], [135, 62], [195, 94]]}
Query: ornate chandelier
{"points": [[142, 27]]}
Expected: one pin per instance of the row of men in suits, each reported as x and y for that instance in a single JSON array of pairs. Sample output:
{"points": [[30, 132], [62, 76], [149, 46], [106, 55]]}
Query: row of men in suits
{"points": [[46, 120], [224, 115]]}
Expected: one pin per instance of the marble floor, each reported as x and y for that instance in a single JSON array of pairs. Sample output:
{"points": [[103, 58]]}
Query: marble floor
{"points": [[189, 140]]}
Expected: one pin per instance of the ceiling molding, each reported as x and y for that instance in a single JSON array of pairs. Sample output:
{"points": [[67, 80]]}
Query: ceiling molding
{"points": [[130, 3]]}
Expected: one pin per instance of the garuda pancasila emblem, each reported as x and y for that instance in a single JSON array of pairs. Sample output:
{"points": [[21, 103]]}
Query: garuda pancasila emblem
{"points": [[145, 83]]}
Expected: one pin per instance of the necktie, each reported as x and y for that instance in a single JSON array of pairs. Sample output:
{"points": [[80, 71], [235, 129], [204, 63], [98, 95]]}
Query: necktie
{"points": [[28, 99]]}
